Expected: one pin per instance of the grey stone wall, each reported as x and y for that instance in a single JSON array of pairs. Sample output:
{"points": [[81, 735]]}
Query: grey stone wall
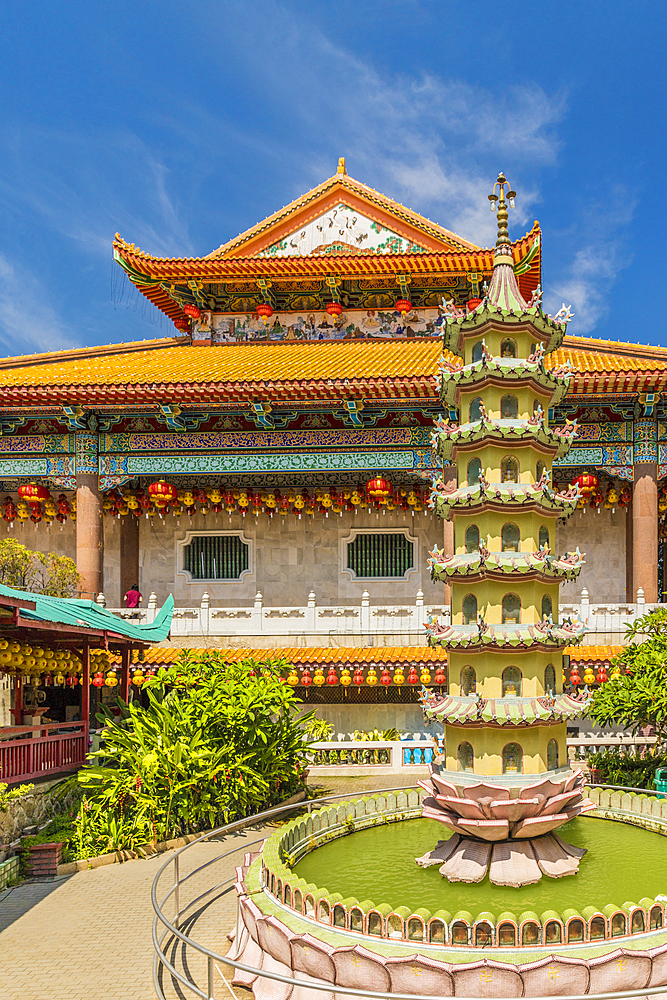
{"points": [[291, 557], [602, 537]]}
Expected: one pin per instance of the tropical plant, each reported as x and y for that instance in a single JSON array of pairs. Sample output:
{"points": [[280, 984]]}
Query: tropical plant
{"points": [[319, 729], [37, 572], [386, 735], [217, 741], [635, 770], [638, 697], [9, 795]]}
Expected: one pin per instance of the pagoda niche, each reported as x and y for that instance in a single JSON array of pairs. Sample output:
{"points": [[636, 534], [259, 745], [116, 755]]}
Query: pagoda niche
{"points": [[505, 785]]}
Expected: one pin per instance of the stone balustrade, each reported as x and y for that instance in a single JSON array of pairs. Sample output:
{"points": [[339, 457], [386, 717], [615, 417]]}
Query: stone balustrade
{"points": [[606, 622], [405, 621]]}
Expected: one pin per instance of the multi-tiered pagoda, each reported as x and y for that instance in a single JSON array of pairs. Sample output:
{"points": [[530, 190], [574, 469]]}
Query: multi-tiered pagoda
{"points": [[505, 784]]}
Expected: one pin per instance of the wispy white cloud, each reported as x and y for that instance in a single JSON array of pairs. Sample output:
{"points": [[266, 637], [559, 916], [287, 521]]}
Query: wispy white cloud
{"points": [[436, 142], [587, 281], [86, 198], [26, 318]]}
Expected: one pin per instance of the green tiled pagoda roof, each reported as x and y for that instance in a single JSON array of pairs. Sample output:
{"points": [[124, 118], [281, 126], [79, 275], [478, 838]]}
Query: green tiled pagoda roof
{"points": [[505, 711], [81, 614]]}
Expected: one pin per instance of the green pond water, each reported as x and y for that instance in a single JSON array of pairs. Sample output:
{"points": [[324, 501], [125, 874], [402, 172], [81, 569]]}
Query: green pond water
{"points": [[623, 864]]}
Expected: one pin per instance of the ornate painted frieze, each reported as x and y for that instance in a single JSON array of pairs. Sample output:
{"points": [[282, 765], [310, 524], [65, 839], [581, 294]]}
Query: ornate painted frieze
{"points": [[350, 461], [646, 441], [38, 468], [37, 444], [376, 437], [86, 453], [607, 431], [601, 456]]}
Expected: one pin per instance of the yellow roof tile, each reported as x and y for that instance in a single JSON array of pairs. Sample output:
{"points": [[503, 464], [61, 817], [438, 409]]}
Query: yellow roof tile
{"points": [[249, 363]]}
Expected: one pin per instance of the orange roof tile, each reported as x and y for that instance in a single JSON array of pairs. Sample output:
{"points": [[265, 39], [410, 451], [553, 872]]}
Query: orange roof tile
{"points": [[338, 186], [300, 655], [586, 654], [167, 369], [151, 275]]}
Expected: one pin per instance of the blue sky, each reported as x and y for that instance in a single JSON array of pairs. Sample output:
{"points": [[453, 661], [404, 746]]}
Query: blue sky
{"points": [[181, 124]]}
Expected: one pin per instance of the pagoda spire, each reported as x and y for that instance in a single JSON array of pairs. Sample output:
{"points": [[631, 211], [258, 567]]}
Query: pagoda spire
{"points": [[504, 289]]}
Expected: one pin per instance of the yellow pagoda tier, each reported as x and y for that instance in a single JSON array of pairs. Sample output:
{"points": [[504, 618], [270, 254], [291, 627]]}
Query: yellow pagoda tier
{"points": [[505, 784]]}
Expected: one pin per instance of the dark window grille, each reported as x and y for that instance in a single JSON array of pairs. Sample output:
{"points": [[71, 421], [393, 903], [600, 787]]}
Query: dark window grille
{"points": [[216, 557], [380, 555]]}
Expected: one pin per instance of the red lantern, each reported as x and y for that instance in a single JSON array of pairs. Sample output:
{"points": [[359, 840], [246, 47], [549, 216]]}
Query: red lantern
{"points": [[182, 325], [473, 303], [332, 676], [334, 308], [192, 311], [575, 679], [587, 483], [385, 678], [440, 676], [33, 493], [306, 679], [358, 676], [379, 488], [413, 676], [403, 306], [162, 493], [602, 677], [264, 310], [98, 680]]}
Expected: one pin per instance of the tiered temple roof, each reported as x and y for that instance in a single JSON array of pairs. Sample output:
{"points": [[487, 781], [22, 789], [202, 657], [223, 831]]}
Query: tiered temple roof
{"points": [[149, 371]]}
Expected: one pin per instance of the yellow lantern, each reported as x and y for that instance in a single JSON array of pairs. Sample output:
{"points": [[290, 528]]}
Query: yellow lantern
{"points": [[318, 677], [15, 647], [111, 680], [5, 658], [293, 677], [4, 644], [299, 502], [425, 676], [59, 679], [589, 675], [371, 676], [399, 676], [345, 678]]}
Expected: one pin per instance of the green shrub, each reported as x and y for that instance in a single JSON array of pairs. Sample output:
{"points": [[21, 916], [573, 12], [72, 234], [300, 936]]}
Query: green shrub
{"points": [[636, 770], [217, 742]]}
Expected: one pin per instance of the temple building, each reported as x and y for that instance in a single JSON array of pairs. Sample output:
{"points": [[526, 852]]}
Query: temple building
{"points": [[277, 452]]}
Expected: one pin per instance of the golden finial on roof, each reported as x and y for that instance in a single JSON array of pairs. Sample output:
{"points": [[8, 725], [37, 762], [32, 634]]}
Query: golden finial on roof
{"points": [[503, 232], [341, 166]]}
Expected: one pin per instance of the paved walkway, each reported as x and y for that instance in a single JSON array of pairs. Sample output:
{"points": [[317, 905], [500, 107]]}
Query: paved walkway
{"points": [[88, 935]]}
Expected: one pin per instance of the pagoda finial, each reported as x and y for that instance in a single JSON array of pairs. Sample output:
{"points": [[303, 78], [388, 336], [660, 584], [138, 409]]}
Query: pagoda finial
{"points": [[504, 290], [341, 166], [503, 232]]}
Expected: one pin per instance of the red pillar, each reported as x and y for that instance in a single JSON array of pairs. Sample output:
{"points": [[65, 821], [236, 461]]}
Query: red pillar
{"points": [[125, 672], [645, 532], [17, 710], [89, 535]]}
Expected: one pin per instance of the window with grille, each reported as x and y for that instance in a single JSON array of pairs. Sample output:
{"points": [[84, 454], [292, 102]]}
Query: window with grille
{"points": [[215, 557], [380, 555]]}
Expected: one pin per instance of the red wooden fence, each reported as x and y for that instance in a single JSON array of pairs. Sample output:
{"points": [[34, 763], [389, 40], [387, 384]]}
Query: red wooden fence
{"points": [[59, 747]]}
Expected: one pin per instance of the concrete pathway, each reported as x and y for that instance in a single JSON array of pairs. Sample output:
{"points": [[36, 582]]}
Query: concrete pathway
{"points": [[88, 935]]}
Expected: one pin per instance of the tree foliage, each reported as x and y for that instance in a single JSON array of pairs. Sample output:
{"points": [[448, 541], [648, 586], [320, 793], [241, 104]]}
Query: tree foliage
{"points": [[638, 697], [217, 741], [37, 572]]}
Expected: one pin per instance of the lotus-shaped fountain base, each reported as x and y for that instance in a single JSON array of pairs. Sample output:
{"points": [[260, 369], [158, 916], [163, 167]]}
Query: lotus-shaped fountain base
{"points": [[504, 830]]}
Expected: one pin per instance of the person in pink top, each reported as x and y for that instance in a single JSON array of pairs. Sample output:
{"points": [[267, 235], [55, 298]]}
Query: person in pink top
{"points": [[133, 597]]}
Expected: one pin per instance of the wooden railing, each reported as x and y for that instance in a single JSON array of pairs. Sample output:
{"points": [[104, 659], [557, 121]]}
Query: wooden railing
{"points": [[55, 749]]}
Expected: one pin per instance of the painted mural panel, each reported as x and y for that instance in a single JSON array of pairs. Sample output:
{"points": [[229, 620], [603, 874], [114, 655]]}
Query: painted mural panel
{"points": [[381, 322], [340, 226]]}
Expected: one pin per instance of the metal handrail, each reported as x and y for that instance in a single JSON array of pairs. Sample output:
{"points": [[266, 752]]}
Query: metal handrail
{"points": [[172, 928]]}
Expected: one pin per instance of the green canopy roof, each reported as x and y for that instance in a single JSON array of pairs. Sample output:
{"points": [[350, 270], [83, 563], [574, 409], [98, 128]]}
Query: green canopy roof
{"points": [[82, 614]]}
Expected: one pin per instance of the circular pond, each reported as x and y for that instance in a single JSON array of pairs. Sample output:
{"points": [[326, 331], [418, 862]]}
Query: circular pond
{"points": [[623, 864]]}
